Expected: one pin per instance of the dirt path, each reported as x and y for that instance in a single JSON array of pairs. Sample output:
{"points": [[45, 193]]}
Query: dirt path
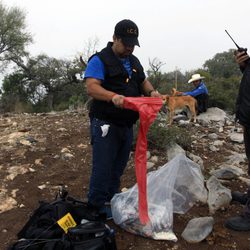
{"points": [[55, 150]]}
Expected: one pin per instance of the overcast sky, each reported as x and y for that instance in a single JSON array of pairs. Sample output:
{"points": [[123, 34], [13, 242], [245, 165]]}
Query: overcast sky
{"points": [[180, 33]]}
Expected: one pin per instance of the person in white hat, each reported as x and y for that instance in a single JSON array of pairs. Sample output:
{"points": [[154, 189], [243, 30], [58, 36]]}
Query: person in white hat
{"points": [[200, 92]]}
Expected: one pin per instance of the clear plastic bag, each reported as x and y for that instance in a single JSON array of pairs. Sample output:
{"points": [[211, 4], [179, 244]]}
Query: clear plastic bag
{"points": [[173, 188]]}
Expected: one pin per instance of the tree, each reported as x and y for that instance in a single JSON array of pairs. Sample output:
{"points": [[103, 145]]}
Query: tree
{"points": [[222, 65], [48, 76], [14, 92], [223, 92], [46, 83], [90, 48], [13, 35], [154, 73]]}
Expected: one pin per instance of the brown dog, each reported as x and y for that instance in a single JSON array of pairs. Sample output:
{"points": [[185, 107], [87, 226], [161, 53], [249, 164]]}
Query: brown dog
{"points": [[174, 102]]}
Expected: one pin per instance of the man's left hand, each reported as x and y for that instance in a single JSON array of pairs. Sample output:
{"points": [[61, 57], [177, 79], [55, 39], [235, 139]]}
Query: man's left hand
{"points": [[155, 93], [241, 57]]}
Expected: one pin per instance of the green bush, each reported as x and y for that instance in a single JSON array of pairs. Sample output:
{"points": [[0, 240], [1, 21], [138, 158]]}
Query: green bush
{"points": [[61, 106], [21, 107], [159, 136]]}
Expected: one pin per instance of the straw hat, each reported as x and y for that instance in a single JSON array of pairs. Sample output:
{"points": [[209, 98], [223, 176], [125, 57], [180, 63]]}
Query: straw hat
{"points": [[195, 77]]}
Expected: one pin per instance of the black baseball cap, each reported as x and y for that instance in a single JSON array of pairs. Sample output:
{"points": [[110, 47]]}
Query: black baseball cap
{"points": [[128, 31]]}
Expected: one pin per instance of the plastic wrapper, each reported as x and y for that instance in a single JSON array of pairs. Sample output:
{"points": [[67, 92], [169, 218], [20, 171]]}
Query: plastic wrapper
{"points": [[148, 108], [173, 188]]}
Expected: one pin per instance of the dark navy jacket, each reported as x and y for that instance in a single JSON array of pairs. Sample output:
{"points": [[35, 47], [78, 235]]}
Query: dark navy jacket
{"points": [[243, 100]]}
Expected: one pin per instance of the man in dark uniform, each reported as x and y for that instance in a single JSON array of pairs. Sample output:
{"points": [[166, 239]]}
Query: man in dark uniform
{"points": [[242, 223], [111, 75]]}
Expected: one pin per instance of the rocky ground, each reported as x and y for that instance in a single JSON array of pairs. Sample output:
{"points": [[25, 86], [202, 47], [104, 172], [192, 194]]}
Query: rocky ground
{"points": [[41, 151]]}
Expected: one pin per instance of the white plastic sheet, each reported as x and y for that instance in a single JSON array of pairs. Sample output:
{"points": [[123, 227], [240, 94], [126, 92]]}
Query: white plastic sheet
{"points": [[173, 188]]}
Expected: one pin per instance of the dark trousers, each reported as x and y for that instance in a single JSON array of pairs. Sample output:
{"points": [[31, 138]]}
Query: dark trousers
{"points": [[247, 148], [202, 103], [247, 145], [110, 157]]}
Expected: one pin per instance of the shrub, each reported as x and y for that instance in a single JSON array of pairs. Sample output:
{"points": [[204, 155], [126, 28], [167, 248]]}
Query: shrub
{"points": [[61, 106], [159, 136], [21, 107]]}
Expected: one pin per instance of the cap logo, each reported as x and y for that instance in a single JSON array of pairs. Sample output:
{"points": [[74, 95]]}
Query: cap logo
{"points": [[132, 31]]}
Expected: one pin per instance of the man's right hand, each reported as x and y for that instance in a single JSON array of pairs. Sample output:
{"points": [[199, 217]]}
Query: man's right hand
{"points": [[118, 100], [241, 57]]}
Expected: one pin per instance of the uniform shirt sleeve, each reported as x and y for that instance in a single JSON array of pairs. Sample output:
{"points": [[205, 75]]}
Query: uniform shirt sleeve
{"points": [[95, 69]]}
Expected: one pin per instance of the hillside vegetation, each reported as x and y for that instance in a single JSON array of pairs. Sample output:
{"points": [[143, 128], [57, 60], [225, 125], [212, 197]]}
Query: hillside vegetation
{"points": [[43, 83]]}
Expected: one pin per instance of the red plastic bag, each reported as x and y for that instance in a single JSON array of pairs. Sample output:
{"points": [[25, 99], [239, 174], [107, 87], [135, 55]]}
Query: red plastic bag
{"points": [[148, 107]]}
